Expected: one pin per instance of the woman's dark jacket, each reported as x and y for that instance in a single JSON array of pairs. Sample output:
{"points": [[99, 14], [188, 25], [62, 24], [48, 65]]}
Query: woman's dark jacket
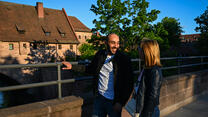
{"points": [[123, 76], [149, 91]]}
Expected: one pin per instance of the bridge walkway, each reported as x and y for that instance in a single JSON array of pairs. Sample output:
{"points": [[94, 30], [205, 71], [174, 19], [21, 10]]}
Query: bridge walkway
{"points": [[198, 108]]}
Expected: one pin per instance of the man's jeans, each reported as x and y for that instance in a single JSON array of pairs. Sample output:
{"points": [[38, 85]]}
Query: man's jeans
{"points": [[156, 112], [103, 107]]}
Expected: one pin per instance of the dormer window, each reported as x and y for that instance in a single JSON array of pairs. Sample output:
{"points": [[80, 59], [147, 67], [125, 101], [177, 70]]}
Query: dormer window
{"points": [[63, 35], [46, 30], [20, 29], [61, 31], [47, 33]]}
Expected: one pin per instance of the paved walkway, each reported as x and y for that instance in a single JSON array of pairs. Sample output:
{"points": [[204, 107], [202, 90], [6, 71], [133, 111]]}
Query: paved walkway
{"points": [[198, 108]]}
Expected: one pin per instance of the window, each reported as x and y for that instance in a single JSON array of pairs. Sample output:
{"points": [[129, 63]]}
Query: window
{"points": [[20, 28], [11, 47], [24, 45], [79, 36], [71, 47], [61, 31], [47, 33], [85, 37], [46, 30], [34, 45], [59, 47]]}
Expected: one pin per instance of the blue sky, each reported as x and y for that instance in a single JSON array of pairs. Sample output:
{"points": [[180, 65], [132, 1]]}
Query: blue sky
{"points": [[184, 10]]}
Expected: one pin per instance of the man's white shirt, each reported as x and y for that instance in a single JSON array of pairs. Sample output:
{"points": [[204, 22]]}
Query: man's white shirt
{"points": [[106, 80]]}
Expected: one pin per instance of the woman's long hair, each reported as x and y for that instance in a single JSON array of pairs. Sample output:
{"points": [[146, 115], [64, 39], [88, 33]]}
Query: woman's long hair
{"points": [[151, 52]]}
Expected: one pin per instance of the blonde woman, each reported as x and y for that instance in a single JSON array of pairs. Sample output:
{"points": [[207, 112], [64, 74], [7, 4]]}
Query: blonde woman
{"points": [[147, 99]]}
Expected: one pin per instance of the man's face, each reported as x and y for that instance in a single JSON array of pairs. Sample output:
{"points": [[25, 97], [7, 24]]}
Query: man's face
{"points": [[113, 43]]}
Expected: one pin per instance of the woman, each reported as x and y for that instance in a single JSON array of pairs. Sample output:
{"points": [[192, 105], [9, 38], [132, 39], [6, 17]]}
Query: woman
{"points": [[147, 98]]}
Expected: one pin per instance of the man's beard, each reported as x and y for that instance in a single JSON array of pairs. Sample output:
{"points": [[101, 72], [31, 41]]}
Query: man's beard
{"points": [[109, 51]]}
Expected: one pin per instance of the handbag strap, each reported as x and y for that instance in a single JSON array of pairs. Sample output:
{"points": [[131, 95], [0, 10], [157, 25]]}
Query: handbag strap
{"points": [[140, 75], [138, 81]]}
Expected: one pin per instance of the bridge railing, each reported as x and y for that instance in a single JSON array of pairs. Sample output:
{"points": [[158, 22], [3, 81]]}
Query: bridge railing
{"points": [[178, 59], [59, 81]]}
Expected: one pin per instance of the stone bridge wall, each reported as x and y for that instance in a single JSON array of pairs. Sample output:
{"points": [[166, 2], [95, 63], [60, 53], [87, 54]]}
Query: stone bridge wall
{"points": [[176, 92]]}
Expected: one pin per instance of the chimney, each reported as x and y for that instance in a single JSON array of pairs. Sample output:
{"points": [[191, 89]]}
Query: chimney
{"points": [[40, 10]]}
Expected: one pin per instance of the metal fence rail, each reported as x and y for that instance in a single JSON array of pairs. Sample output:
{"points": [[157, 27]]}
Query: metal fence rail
{"points": [[59, 82]]}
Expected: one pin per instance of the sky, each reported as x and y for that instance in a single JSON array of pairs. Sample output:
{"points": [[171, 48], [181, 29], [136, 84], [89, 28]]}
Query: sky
{"points": [[183, 10]]}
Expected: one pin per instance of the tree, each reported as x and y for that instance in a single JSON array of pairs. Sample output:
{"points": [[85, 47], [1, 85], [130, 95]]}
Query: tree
{"points": [[127, 18], [203, 28], [87, 51], [41, 52], [173, 28], [97, 42]]}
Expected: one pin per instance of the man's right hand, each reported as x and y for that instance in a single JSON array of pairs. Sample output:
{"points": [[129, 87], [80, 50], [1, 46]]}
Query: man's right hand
{"points": [[67, 64]]}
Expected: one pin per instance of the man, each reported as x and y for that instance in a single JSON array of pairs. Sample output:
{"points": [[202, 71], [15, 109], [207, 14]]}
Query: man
{"points": [[113, 79]]}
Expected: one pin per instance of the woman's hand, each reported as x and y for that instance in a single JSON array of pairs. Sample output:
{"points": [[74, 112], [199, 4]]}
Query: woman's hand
{"points": [[67, 64], [136, 114]]}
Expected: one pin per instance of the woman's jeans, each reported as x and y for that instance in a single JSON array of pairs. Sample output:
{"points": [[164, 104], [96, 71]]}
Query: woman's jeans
{"points": [[156, 112], [103, 107]]}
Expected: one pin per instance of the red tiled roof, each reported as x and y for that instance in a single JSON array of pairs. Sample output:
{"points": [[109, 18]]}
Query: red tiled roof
{"points": [[24, 17], [78, 25], [190, 36]]}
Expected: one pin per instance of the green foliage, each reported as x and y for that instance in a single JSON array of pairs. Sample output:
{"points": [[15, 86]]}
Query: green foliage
{"points": [[132, 22], [70, 58], [127, 18], [133, 54], [172, 26], [97, 43], [203, 28], [161, 34], [87, 51], [169, 53]]}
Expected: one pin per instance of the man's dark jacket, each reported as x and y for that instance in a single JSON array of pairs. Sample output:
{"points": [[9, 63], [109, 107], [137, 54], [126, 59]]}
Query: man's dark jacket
{"points": [[149, 91], [123, 76]]}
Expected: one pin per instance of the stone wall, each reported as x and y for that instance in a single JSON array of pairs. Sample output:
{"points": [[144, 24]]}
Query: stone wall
{"points": [[176, 92], [180, 90], [65, 107]]}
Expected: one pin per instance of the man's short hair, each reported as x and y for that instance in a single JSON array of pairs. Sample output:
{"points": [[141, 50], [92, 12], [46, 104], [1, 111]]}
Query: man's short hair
{"points": [[110, 35]]}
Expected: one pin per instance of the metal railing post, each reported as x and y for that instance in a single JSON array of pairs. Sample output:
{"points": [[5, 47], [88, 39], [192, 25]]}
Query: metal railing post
{"points": [[179, 65], [202, 62], [59, 81]]}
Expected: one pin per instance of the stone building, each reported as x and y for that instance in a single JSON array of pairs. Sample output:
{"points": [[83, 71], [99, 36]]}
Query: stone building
{"points": [[188, 42], [32, 34], [82, 32], [189, 38]]}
